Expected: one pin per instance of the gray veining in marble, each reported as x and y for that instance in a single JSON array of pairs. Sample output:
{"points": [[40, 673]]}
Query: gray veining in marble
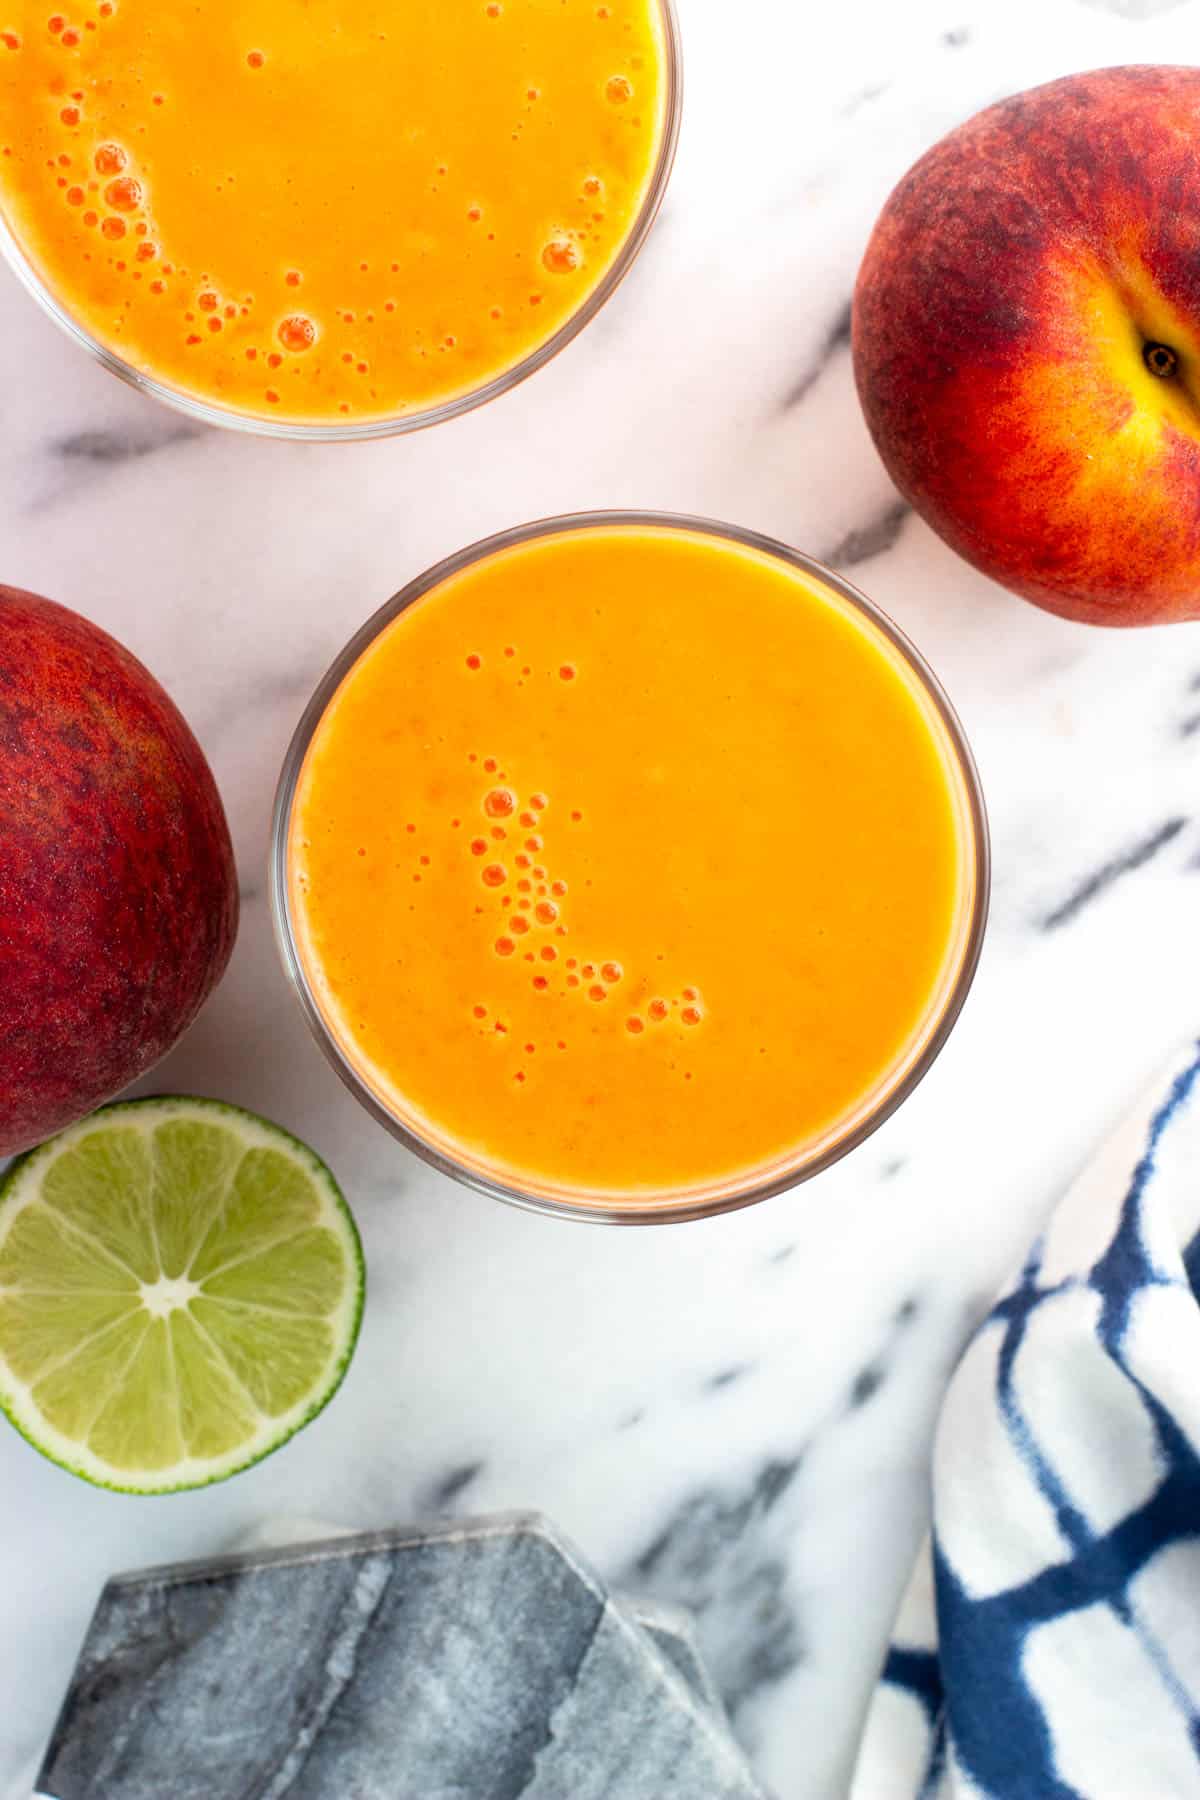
{"points": [[480, 1661]]}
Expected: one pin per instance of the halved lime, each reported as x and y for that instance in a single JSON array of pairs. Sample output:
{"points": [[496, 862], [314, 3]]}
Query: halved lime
{"points": [[181, 1286]]}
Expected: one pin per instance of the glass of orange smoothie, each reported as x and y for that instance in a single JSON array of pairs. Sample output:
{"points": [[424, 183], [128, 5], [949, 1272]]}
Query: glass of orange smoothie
{"points": [[338, 219], [630, 867]]}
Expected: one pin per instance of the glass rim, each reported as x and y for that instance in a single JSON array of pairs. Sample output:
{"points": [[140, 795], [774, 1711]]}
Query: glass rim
{"points": [[207, 412], [898, 1081]]}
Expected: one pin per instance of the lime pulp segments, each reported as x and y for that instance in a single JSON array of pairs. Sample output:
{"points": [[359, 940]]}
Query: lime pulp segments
{"points": [[181, 1287]]}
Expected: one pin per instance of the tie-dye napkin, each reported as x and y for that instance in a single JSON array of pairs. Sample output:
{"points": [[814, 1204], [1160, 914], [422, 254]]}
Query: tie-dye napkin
{"points": [[1049, 1644]]}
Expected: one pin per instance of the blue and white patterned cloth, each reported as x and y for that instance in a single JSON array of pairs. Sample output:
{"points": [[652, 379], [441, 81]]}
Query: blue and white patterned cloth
{"points": [[1049, 1644]]}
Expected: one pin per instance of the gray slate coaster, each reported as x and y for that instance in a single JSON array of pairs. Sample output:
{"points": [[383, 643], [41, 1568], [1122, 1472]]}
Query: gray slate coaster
{"points": [[674, 1634], [469, 1662]]}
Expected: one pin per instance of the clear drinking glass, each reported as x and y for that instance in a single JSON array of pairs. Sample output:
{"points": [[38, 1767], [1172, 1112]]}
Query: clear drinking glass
{"points": [[732, 1192], [262, 425]]}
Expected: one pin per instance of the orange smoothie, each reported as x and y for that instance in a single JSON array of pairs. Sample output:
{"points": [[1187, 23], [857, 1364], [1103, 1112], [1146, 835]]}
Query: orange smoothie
{"points": [[329, 211], [631, 864]]}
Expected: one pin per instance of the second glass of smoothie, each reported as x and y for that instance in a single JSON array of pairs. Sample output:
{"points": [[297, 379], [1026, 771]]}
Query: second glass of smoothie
{"points": [[630, 867], [339, 219]]}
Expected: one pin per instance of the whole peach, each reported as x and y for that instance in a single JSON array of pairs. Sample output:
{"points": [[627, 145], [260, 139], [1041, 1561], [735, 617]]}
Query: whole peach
{"points": [[1027, 343], [118, 893]]}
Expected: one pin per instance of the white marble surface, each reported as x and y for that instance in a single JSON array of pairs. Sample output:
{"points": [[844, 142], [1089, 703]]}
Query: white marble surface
{"points": [[736, 1413]]}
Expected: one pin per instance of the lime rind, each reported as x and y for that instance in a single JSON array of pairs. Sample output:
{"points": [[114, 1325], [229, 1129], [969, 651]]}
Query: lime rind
{"points": [[135, 1344]]}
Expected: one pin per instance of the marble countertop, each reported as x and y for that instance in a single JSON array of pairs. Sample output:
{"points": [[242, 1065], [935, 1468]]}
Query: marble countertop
{"points": [[733, 1414]]}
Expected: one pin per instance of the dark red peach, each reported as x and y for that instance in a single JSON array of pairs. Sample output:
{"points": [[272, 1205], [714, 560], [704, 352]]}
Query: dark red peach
{"points": [[118, 893]]}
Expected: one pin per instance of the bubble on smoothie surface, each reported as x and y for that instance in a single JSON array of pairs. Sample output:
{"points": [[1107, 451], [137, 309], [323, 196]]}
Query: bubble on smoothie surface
{"points": [[561, 256], [124, 194], [297, 333]]}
